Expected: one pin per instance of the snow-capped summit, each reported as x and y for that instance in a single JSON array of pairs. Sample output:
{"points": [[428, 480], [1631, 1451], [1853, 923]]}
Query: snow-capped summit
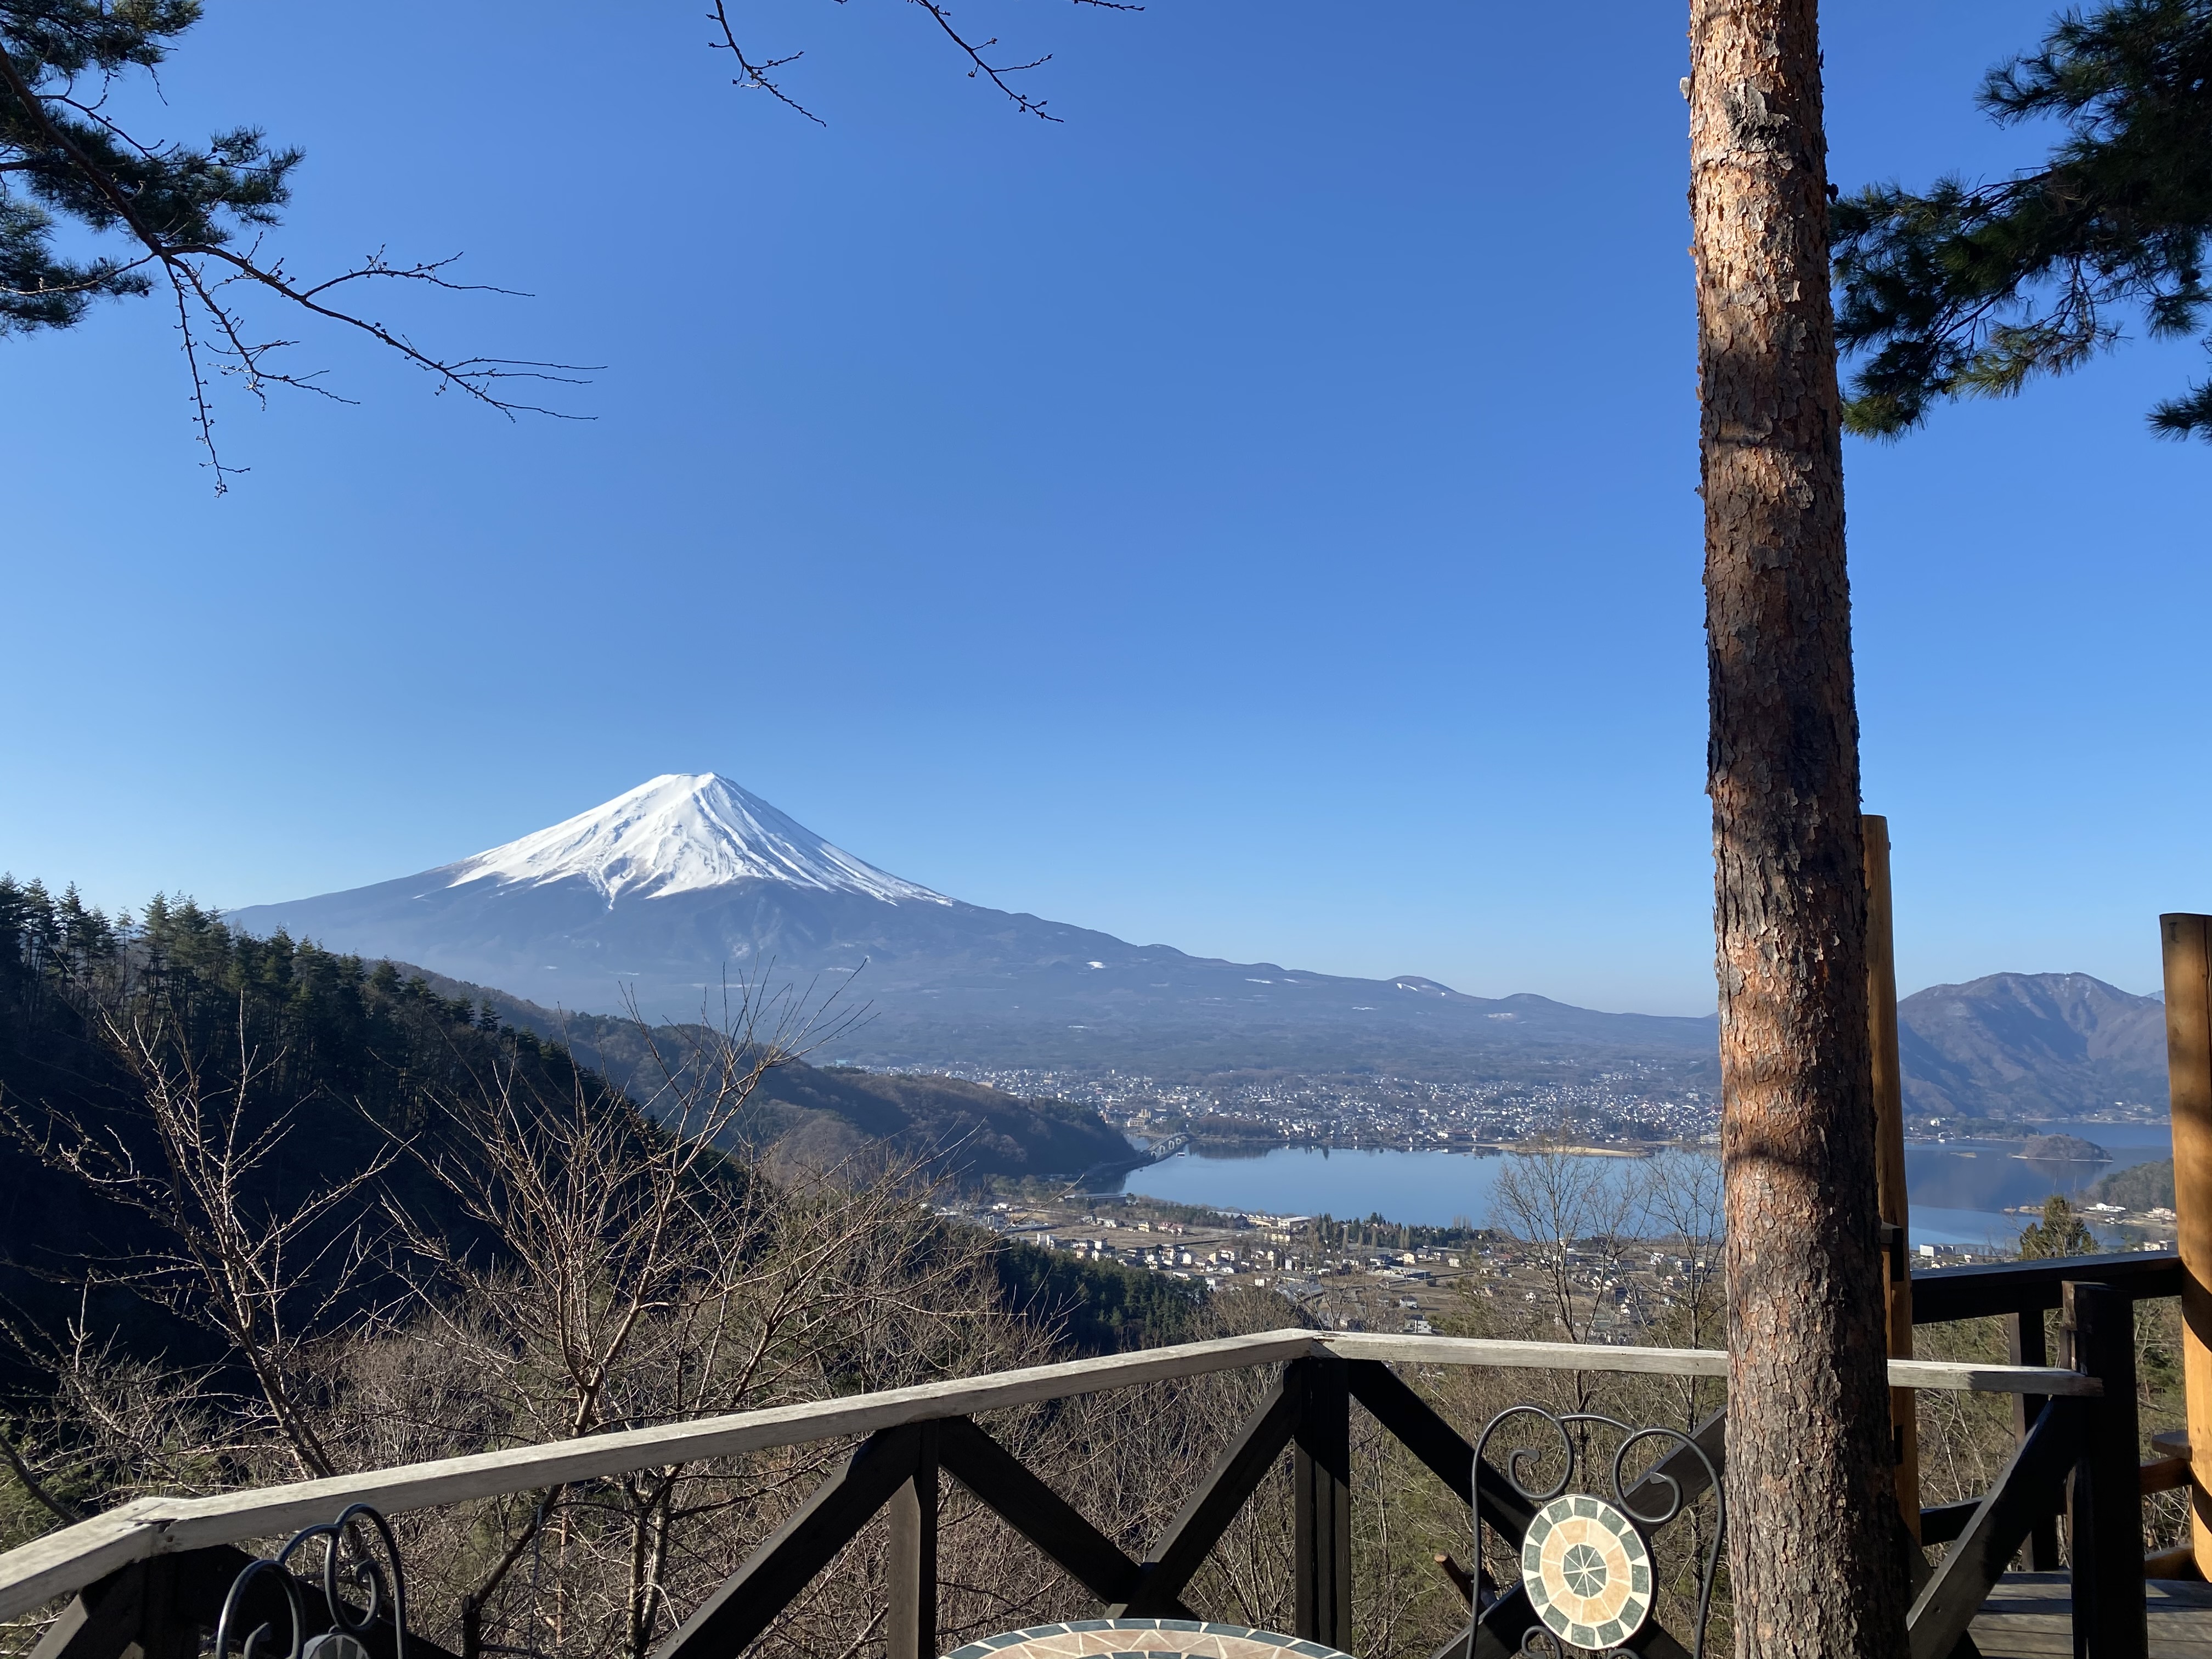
{"points": [[682, 832], [669, 898]]}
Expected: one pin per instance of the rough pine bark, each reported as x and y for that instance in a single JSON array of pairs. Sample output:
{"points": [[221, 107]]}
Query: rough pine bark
{"points": [[1813, 1557]]}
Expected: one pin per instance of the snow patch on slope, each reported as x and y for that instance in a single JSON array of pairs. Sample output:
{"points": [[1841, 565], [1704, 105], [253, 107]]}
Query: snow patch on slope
{"points": [[681, 833]]}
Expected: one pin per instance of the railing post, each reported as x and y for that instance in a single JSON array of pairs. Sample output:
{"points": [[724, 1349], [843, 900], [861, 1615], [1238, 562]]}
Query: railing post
{"points": [[2106, 1499], [1321, 1477], [2024, 1346], [1889, 1156], [911, 1627], [2187, 942]]}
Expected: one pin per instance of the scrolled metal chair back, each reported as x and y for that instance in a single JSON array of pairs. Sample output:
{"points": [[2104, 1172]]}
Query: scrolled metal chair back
{"points": [[1586, 1561], [349, 1562]]}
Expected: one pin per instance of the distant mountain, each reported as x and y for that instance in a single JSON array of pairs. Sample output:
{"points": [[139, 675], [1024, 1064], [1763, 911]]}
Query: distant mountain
{"points": [[663, 891], [2030, 1046]]}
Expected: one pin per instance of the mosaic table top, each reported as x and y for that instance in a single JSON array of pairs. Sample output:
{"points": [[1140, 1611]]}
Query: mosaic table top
{"points": [[1144, 1638]]}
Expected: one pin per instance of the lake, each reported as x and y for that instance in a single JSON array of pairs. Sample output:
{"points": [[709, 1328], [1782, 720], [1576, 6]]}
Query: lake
{"points": [[1959, 1190]]}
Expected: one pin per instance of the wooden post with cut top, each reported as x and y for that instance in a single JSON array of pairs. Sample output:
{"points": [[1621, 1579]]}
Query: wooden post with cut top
{"points": [[911, 1627], [1889, 1154], [2187, 949], [1320, 1479], [2104, 1498]]}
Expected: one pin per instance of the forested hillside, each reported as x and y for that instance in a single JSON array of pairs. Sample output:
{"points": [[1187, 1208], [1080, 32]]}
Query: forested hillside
{"points": [[326, 1064], [312, 1064], [271, 1213]]}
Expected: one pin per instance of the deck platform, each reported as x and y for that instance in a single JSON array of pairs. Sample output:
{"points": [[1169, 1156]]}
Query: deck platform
{"points": [[2030, 1616]]}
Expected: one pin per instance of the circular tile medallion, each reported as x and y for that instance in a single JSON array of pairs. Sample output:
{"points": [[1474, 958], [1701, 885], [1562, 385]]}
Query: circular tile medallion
{"points": [[1588, 1572]]}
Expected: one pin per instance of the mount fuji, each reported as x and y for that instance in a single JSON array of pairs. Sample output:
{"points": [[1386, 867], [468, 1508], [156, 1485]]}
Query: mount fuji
{"points": [[664, 891]]}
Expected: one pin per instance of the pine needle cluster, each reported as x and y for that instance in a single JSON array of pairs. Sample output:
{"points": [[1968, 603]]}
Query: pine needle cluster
{"points": [[65, 161], [1975, 290]]}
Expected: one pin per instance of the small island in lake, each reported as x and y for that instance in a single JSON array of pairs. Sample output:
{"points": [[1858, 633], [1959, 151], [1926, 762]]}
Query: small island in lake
{"points": [[2063, 1149]]}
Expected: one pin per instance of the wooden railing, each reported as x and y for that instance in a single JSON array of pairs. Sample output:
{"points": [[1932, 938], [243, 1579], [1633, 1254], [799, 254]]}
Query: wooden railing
{"points": [[2095, 1298], [152, 1572], [2009, 1289]]}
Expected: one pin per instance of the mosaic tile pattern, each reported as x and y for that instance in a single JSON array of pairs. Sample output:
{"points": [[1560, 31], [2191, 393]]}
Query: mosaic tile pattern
{"points": [[1587, 1571], [1143, 1638]]}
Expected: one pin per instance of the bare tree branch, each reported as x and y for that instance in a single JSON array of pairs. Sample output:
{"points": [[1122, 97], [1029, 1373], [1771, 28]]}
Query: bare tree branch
{"points": [[755, 76], [181, 265], [67, 1514]]}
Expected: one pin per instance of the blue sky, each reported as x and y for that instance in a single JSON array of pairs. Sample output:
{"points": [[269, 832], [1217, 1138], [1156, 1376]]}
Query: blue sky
{"points": [[1255, 514]]}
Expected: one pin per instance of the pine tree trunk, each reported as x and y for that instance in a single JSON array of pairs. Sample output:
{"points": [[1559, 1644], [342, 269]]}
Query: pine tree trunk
{"points": [[1813, 1558]]}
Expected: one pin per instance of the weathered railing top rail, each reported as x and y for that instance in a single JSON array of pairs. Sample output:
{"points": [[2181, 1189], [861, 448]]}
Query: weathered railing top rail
{"points": [[76, 1556], [1940, 1374], [1943, 1294]]}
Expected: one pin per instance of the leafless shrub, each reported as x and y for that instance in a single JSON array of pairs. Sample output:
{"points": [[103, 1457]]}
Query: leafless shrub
{"points": [[259, 1272]]}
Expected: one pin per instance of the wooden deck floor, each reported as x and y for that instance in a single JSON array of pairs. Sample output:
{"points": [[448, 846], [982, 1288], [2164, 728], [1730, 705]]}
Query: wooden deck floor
{"points": [[2031, 1617]]}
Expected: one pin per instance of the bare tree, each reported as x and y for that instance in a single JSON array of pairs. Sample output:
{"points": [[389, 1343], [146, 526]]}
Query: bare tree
{"points": [[635, 1262], [112, 1425], [1682, 1200], [1575, 1214], [236, 1255]]}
